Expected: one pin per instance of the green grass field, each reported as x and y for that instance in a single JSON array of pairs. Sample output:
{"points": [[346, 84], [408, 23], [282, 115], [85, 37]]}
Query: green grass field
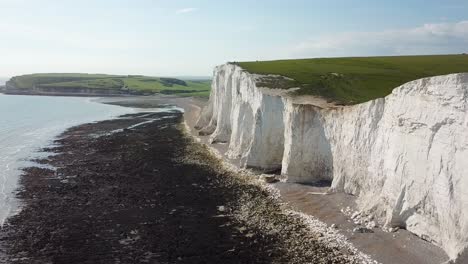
{"points": [[133, 83], [355, 80]]}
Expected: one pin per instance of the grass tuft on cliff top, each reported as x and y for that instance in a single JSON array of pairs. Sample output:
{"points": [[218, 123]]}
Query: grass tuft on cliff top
{"points": [[355, 80], [133, 83]]}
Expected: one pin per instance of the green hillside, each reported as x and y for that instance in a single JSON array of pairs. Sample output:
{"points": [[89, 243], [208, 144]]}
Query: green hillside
{"points": [[355, 80], [135, 84]]}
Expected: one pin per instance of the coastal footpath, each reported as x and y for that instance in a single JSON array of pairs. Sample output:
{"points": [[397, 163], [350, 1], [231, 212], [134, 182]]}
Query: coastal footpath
{"points": [[401, 155]]}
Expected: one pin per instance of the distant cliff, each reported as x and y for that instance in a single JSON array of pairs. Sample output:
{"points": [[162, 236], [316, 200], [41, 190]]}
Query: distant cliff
{"points": [[78, 84], [70, 91], [404, 155]]}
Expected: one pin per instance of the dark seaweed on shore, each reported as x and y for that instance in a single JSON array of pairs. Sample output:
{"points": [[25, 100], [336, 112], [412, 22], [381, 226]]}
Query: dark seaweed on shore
{"points": [[149, 194]]}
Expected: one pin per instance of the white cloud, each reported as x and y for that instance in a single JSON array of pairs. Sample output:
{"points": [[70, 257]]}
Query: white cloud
{"points": [[186, 10], [426, 39]]}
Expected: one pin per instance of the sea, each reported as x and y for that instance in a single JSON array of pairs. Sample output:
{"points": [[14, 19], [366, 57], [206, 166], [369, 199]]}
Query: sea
{"points": [[29, 123]]}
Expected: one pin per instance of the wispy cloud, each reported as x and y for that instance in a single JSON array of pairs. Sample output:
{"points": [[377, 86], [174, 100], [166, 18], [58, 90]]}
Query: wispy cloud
{"points": [[428, 38], [186, 10]]}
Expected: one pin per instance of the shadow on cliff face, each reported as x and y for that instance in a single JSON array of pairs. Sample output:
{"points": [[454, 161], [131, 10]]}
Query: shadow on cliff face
{"points": [[267, 140], [320, 184], [310, 159]]}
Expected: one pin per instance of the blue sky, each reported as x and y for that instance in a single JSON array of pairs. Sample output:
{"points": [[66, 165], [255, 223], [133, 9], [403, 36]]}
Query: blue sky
{"points": [[182, 37]]}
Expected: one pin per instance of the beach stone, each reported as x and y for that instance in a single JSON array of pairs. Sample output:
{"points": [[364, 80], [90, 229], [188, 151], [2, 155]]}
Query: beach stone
{"points": [[371, 225], [269, 178], [362, 230]]}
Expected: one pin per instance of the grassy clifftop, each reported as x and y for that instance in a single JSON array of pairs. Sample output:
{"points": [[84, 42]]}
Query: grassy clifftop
{"points": [[130, 83], [356, 80]]}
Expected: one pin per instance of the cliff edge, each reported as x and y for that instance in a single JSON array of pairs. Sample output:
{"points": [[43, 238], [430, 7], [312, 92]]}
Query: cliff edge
{"points": [[404, 155]]}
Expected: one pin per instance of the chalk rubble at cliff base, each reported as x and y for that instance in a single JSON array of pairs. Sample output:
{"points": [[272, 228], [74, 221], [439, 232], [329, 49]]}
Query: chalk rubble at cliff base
{"points": [[404, 155]]}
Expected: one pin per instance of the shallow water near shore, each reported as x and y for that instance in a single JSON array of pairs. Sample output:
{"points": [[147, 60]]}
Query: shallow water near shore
{"points": [[28, 123]]}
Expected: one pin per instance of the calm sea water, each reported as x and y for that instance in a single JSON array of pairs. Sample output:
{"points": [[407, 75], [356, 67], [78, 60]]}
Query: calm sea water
{"points": [[28, 123]]}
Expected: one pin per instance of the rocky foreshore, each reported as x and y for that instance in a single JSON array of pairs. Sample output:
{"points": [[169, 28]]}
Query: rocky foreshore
{"points": [[139, 190]]}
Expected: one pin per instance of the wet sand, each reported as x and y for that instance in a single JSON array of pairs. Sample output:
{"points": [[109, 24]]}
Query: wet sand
{"points": [[139, 190]]}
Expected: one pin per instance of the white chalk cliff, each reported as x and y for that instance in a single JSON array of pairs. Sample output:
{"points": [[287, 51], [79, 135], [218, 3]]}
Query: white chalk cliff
{"points": [[405, 156]]}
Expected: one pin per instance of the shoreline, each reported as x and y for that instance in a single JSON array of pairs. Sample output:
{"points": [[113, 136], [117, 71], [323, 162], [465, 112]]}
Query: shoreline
{"points": [[149, 193], [61, 94], [25, 132]]}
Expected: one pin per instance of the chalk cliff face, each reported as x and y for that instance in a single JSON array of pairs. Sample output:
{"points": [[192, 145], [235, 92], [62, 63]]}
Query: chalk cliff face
{"points": [[250, 119], [405, 156]]}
